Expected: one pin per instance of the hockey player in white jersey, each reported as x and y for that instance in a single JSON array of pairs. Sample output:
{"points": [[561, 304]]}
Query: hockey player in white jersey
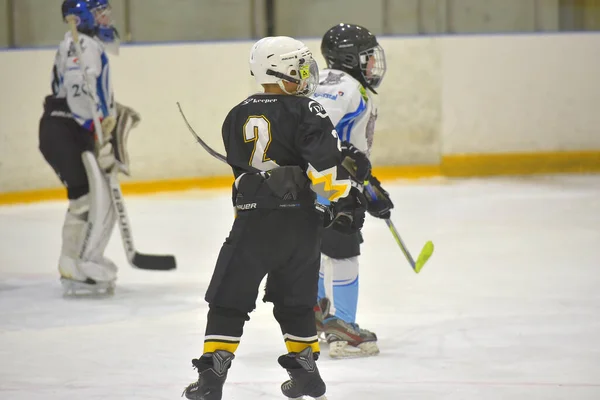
{"points": [[347, 90], [68, 142]]}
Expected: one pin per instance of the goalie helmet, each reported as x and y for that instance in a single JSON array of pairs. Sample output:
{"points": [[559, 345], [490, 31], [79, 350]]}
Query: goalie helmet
{"points": [[275, 59], [355, 50], [86, 22], [93, 18]]}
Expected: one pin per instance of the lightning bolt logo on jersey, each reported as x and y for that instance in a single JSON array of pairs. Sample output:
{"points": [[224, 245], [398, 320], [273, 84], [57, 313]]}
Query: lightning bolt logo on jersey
{"points": [[68, 81]]}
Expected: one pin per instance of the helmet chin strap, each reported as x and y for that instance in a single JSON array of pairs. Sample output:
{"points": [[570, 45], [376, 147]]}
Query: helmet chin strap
{"points": [[282, 87], [283, 77]]}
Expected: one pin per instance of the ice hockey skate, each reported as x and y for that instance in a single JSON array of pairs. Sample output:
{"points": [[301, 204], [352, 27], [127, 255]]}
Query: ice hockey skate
{"points": [[346, 340], [212, 373], [87, 278], [89, 287], [305, 379]]}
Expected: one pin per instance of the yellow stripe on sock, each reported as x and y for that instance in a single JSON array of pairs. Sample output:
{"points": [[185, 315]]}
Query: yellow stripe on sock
{"points": [[210, 346], [294, 346]]}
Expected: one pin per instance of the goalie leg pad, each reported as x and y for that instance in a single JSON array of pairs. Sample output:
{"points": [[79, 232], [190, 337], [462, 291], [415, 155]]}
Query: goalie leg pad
{"points": [[87, 229], [102, 215]]}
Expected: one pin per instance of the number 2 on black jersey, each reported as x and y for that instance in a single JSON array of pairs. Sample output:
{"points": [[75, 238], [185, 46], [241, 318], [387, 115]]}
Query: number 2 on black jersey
{"points": [[257, 129]]}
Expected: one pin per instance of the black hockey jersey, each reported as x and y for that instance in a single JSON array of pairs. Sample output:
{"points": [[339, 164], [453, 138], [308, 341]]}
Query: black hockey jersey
{"points": [[267, 131]]}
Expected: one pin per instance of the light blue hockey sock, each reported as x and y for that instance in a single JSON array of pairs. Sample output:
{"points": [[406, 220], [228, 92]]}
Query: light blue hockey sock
{"points": [[321, 287], [346, 300], [345, 286]]}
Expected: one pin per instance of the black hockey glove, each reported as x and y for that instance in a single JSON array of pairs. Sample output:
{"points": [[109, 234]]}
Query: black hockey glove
{"points": [[379, 203], [356, 162], [348, 213]]}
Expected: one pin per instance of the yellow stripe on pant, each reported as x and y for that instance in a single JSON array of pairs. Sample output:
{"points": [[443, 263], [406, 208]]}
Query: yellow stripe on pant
{"points": [[210, 346], [296, 345]]}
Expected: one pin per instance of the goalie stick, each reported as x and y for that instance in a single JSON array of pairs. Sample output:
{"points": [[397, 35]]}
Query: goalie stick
{"points": [[136, 259], [427, 250]]}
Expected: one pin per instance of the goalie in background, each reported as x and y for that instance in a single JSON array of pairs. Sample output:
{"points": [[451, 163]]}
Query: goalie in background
{"points": [[283, 150], [355, 68], [67, 140]]}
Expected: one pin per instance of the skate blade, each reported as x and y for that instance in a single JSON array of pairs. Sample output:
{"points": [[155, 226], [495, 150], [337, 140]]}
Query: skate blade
{"points": [[307, 398], [341, 349], [72, 288]]}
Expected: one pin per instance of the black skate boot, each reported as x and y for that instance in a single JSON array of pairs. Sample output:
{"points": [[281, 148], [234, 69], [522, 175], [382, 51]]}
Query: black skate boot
{"points": [[304, 376], [212, 372]]}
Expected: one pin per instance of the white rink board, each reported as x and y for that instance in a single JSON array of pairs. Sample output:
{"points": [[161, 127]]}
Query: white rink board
{"points": [[521, 93], [208, 79], [441, 95]]}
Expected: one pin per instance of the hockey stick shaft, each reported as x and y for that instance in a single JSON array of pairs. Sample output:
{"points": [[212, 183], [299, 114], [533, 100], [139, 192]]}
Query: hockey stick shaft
{"points": [[393, 230], [425, 253], [136, 259], [157, 262], [117, 198], [206, 147]]}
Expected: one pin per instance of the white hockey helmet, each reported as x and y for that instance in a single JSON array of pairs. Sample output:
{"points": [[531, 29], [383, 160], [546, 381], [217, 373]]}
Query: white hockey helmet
{"points": [[274, 59]]}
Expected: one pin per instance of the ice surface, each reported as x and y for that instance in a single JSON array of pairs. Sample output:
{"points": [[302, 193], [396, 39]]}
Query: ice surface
{"points": [[508, 307]]}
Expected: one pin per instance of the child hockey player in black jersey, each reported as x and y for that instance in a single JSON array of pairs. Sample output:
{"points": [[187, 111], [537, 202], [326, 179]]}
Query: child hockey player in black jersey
{"points": [[283, 150]]}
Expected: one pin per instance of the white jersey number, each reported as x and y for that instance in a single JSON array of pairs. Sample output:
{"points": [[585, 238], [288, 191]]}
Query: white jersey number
{"points": [[257, 129]]}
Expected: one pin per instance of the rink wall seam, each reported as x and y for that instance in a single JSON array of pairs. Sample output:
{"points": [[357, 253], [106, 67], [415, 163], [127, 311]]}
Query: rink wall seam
{"points": [[452, 166]]}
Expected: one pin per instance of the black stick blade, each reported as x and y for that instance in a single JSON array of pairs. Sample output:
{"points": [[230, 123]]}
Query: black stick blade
{"points": [[154, 262]]}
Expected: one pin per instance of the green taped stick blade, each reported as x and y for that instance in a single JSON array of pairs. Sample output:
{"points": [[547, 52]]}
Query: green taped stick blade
{"points": [[424, 256]]}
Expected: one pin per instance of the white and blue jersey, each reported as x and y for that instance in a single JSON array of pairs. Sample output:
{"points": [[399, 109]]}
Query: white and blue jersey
{"points": [[68, 81], [352, 109]]}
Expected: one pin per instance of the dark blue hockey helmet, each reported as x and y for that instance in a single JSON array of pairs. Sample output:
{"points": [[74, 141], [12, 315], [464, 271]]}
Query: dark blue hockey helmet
{"points": [[93, 18], [86, 22]]}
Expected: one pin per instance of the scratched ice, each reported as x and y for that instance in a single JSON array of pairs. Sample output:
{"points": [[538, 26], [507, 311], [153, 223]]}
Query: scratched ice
{"points": [[507, 308]]}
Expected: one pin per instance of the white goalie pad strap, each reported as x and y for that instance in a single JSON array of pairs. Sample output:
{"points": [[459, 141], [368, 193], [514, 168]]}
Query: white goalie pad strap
{"points": [[101, 215], [127, 119]]}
